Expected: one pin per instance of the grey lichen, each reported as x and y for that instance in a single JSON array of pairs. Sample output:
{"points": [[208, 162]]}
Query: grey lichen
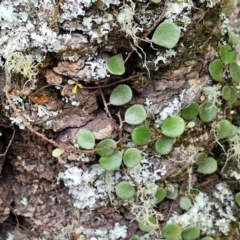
{"points": [[118, 232], [90, 182], [31, 26], [211, 213]]}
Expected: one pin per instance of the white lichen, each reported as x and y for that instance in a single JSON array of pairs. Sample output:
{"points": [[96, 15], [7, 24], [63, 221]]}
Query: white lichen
{"points": [[98, 68], [71, 9], [164, 56], [118, 232], [174, 9], [211, 214], [168, 108], [210, 3], [24, 201], [10, 236], [213, 94], [42, 112], [90, 182], [225, 23], [142, 173], [180, 11]]}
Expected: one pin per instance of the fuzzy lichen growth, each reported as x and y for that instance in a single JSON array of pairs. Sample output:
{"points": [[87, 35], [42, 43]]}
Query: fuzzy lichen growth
{"points": [[143, 205], [213, 93], [126, 21], [18, 63]]}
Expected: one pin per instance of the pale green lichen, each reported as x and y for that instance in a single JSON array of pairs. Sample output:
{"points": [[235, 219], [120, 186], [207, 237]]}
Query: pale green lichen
{"points": [[126, 21], [143, 205], [213, 94], [18, 63]]}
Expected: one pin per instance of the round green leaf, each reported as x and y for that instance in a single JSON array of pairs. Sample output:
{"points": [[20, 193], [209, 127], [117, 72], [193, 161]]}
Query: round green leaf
{"points": [[57, 152], [121, 95], [233, 132], [135, 114], [233, 96], [201, 157], [167, 35], [111, 162], [208, 167], [208, 112], [141, 135], [115, 64], [156, 1], [191, 124], [132, 157], [164, 145], [235, 72], [191, 111], [224, 129], [237, 199], [227, 54], [226, 92], [135, 238], [173, 195], [108, 144], [171, 231], [148, 226], [191, 233], [233, 38], [125, 190], [173, 126], [86, 139], [185, 203], [160, 194], [216, 69]]}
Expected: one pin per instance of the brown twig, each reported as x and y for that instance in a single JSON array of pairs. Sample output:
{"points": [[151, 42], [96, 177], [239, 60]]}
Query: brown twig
{"points": [[114, 83], [40, 89], [56, 10], [9, 144], [25, 122], [18, 225], [105, 104], [120, 126], [42, 136], [131, 178], [3, 155], [95, 87]]}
